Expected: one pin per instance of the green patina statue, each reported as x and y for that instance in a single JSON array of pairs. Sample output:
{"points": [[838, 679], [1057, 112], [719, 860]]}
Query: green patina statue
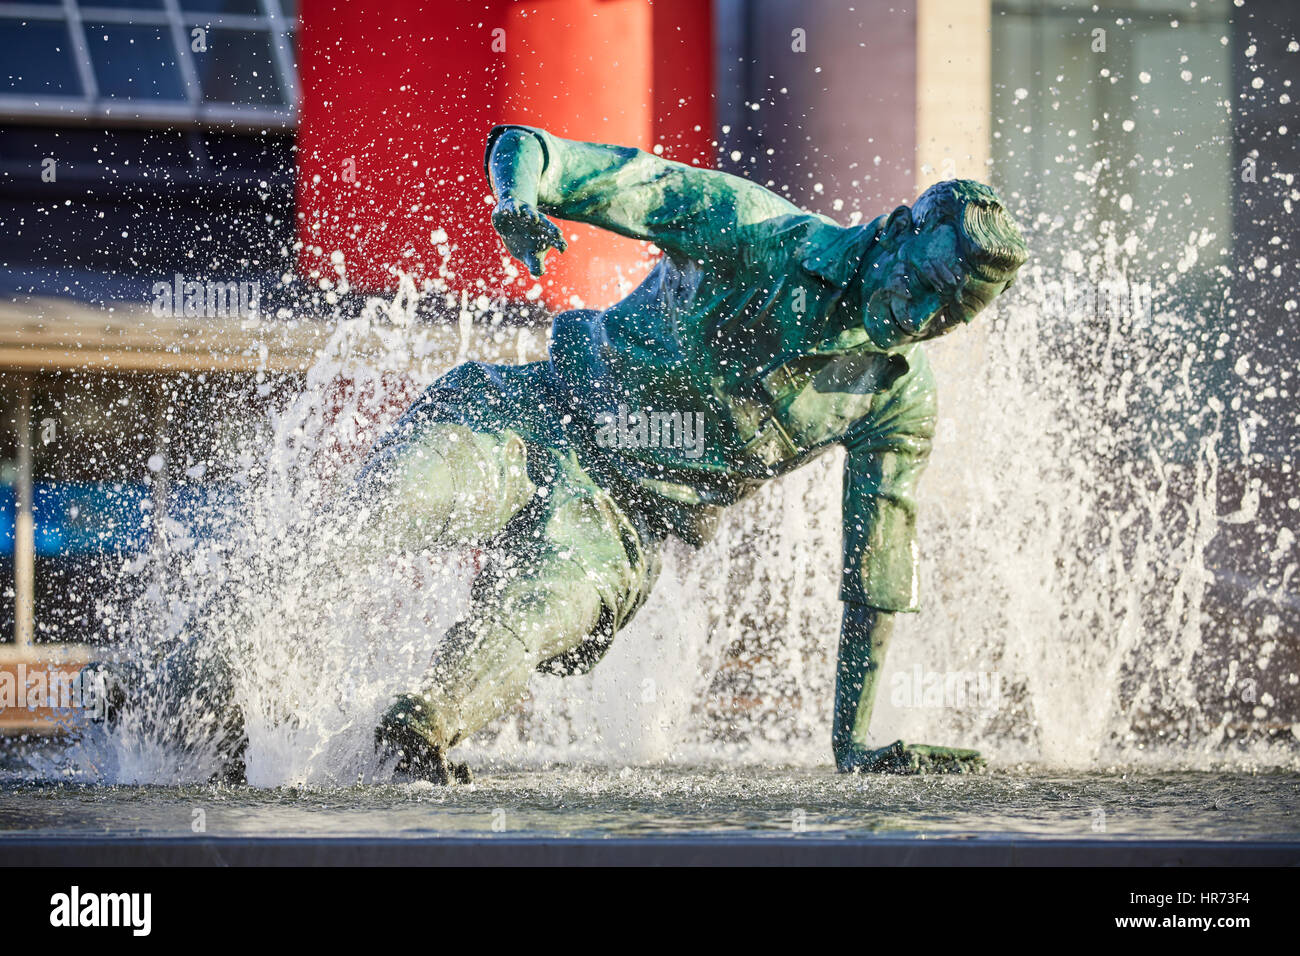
{"points": [[764, 336]]}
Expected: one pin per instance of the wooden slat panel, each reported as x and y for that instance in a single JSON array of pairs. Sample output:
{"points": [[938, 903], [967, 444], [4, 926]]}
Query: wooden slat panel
{"points": [[42, 683]]}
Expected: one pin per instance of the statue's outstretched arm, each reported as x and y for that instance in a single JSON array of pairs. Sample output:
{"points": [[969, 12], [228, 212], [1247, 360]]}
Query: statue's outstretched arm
{"points": [[687, 211], [515, 162]]}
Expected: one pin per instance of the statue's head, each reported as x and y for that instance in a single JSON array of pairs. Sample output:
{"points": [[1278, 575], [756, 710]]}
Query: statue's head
{"points": [[945, 259]]}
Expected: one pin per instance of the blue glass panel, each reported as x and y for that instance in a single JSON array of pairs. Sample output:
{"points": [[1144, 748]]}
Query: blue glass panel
{"points": [[36, 58], [239, 68], [6, 520], [134, 62], [80, 517], [242, 7]]}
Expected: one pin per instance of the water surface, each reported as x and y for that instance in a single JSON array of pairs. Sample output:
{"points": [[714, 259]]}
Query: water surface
{"points": [[683, 801]]}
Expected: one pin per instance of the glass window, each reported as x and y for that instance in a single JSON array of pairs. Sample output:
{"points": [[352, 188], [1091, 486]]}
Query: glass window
{"points": [[241, 7], [8, 481], [244, 70], [1109, 148], [88, 8], [106, 452], [91, 442], [134, 62], [37, 58], [238, 68]]}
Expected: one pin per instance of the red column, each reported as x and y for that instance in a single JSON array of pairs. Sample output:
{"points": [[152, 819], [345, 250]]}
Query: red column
{"points": [[398, 98]]}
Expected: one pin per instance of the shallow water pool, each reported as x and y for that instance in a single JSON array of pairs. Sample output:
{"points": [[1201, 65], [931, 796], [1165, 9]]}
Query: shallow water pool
{"points": [[600, 802]]}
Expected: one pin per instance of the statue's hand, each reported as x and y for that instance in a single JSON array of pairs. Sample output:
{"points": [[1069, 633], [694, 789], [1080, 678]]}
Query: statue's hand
{"points": [[527, 233], [903, 758]]}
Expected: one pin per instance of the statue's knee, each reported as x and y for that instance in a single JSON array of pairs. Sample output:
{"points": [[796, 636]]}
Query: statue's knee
{"points": [[549, 614], [457, 485], [413, 721]]}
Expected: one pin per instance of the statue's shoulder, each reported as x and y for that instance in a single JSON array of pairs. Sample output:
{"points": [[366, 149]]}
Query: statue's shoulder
{"points": [[832, 251]]}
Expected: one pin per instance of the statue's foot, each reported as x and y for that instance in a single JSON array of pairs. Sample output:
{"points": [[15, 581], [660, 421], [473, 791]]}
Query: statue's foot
{"points": [[431, 764], [903, 758], [397, 737]]}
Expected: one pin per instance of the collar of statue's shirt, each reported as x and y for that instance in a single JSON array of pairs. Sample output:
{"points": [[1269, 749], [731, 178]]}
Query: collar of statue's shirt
{"points": [[840, 256], [836, 253]]}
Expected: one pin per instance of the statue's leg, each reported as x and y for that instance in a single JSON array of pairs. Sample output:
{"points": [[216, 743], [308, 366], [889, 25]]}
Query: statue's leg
{"points": [[197, 692], [447, 487], [185, 697], [864, 640], [483, 666], [566, 578]]}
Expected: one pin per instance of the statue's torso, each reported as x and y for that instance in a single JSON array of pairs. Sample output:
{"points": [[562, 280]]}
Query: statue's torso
{"points": [[772, 356]]}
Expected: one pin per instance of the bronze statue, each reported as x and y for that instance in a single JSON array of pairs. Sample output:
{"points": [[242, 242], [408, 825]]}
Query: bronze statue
{"points": [[764, 336]]}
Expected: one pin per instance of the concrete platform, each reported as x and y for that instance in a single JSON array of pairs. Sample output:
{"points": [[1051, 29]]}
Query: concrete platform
{"points": [[24, 851]]}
